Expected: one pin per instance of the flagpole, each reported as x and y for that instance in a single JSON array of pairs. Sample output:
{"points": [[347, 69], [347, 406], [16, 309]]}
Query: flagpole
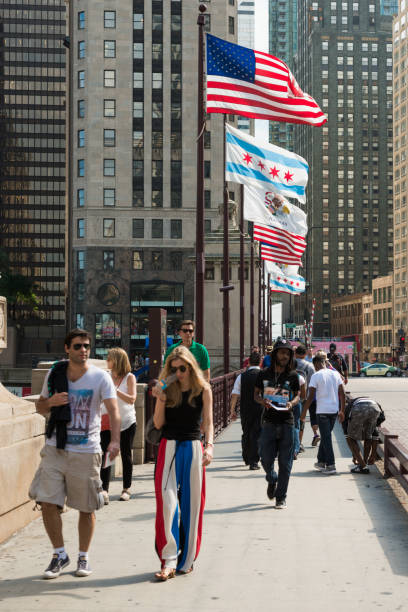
{"points": [[241, 282], [269, 303], [263, 306], [252, 293], [260, 304], [226, 288], [200, 257]]}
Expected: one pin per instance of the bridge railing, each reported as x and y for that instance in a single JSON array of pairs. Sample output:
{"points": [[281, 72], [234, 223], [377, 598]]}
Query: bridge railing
{"points": [[221, 388], [395, 457]]}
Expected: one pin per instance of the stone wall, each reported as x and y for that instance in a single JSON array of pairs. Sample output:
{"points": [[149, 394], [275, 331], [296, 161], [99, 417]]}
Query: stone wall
{"points": [[21, 439]]}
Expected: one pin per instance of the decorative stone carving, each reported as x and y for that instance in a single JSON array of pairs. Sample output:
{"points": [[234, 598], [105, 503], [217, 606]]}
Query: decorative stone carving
{"points": [[232, 215]]}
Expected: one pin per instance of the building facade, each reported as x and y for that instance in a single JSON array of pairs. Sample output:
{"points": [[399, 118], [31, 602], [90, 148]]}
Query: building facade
{"points": [[283, 34], [367, 317], [32, 157], [133, 160], [344, 61], [400, 32]]}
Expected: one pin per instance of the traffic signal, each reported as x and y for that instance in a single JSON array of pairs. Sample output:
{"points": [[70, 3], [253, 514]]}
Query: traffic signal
{"points": [[402, 343]]}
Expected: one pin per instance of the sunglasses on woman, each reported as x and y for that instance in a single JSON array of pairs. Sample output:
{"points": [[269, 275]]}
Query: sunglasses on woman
{"points": [[182, 368]]}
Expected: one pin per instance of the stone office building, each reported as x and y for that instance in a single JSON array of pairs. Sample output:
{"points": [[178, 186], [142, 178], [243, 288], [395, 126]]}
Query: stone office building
{"points": [[133, 92]]}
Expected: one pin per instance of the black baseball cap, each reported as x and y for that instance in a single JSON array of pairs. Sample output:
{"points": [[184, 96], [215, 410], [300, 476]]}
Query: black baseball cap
{"points": [[332, 346], [283, 344]]}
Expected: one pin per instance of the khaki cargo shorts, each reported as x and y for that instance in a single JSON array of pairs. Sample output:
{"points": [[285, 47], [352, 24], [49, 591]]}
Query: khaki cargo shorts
{"points": [[68, 477], [363, 420]]}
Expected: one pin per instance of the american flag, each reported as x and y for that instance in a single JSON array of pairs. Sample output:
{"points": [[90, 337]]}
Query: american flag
{"points": [[254, 84], [271, 252], [290, 244]]}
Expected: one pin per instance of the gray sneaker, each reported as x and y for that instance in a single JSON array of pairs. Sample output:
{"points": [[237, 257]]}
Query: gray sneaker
{"points": [[320, 466], [281, 504], [54, 569], [83, 568], [329, 470]]}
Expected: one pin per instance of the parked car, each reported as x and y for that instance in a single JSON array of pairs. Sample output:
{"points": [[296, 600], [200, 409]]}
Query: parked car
{"points": [[379, 369]]}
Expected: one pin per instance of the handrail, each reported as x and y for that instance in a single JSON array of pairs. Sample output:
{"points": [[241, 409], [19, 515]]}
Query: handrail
{"points": [[395, 457], [221, 388]]}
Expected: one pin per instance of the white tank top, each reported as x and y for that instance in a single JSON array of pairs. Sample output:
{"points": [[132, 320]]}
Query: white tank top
{"points": [[127, 411]]}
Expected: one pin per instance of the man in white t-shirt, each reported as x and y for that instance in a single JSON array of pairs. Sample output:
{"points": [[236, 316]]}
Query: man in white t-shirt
{"points": [[71, 458], [326, 386]]}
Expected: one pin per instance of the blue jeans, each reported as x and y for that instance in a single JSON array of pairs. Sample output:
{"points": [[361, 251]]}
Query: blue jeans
{"points": [[277, 441], [296, 415], [326, 423]]}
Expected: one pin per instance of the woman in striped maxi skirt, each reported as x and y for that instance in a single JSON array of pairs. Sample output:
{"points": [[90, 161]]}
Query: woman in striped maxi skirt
{"points": [[182, 409]]}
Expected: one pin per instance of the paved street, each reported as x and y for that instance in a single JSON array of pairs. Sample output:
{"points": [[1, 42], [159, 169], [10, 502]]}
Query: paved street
{"points": [[342, 544], [392, 394]]}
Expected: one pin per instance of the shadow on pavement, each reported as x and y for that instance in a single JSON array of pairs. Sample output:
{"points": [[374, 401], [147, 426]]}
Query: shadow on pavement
{"points": [[66, 585]]}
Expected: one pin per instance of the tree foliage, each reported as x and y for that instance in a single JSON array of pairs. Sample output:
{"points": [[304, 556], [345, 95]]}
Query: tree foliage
{"points": [[18, 289]]}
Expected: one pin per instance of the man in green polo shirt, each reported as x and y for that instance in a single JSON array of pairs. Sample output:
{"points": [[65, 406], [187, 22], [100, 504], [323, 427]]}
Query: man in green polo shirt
{"points": [[186, 331]]}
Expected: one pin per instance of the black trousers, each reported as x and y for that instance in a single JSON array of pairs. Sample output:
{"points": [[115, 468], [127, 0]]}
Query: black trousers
{"points": [[126, 444], [251, 430]]}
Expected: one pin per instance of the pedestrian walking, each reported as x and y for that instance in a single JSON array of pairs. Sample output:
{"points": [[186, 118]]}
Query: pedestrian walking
{"points": [[125, 384], [306, 370], [338, 362], [327, 387], [250, 411], [187, 329], [254, 349], [277, 390], [182, 409], [73, 391]]}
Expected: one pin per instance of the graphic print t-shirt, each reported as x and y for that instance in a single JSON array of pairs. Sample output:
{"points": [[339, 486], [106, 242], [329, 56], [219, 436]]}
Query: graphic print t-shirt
{"points": [[283, 387], [85, 398]]}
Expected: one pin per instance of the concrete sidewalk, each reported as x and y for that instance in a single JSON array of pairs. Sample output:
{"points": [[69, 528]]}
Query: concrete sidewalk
{"points": [[342, 544]]}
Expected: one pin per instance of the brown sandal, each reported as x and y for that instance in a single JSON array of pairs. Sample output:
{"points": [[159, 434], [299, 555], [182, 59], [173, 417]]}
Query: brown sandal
{"points": [[165, 574]]}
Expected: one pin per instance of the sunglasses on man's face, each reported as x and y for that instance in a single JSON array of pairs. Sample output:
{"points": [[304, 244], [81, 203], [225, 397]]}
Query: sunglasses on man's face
{"points": [[187, 331], [182, 368], [78, 346]]}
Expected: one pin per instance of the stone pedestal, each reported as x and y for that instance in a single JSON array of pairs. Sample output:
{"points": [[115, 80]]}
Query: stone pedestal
{"points": [[21, 439]]}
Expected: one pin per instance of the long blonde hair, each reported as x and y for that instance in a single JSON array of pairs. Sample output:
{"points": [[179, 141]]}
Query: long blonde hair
{"points": [[120, 360], [197, 381]]}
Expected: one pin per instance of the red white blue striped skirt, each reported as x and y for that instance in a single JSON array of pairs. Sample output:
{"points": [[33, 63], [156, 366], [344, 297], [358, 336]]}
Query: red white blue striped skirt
{"points": [[180, 498]]}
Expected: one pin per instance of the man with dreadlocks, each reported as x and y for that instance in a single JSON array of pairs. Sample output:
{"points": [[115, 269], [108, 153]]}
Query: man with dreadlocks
{"points": [[277, 389]]}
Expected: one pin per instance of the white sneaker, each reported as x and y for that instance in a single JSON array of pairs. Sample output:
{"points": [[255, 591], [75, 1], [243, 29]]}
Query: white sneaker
{"points": [[83, 568], [329, 470], [125, 496], [105, 497]]}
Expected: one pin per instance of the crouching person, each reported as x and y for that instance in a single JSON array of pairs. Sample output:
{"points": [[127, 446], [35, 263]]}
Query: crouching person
{"points": [[73, 392], [362, 414]]}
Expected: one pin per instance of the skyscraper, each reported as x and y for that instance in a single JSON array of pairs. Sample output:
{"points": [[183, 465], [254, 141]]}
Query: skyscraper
{"points": [[345, 62], [133, 159], [32, 152], [246, 38], [283, 44], [400, 32]]}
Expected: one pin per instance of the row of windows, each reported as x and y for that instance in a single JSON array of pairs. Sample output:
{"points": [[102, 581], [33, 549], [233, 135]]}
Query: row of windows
{"points": [[138, 228], [109, 198], [109, 79], [109, 21], [109, 50], [365, 46], [138, 260], [109, 168]]}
